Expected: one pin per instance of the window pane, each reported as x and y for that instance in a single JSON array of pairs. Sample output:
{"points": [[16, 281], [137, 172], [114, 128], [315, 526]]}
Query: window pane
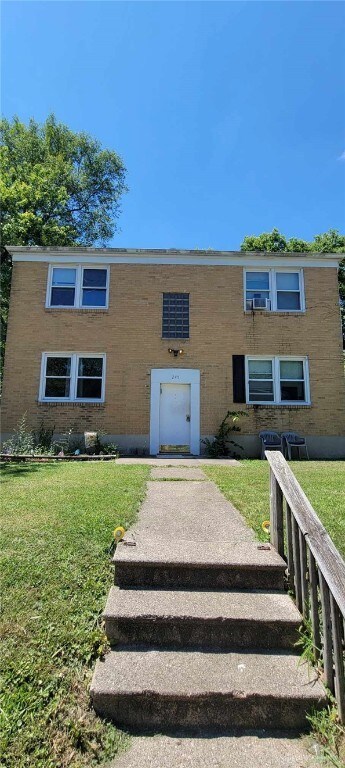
{"points": [[260, 369], [288, 300], [92, 297], [261, 390], [94, 278], [292, 390], [90, 366], [62, 297], [57, 388], [89, 388], [291, 369], [257, 280], [63, 276], [258, 294], [287, 281], [58, 366]]}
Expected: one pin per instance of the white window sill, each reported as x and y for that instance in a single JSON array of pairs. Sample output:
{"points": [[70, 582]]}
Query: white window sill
{"points": [[78, 309], [275, 312], [291, 404], [51, 401]]}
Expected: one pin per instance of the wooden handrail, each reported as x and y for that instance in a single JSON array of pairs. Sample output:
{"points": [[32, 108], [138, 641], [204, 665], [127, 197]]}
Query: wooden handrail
{"points": [[327, 557], [315, 570]]}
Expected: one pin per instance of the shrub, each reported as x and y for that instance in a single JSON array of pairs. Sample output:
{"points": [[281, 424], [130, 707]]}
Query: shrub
{"points": [[43, 438], [220, 445], [109, 449], [22, 440]]}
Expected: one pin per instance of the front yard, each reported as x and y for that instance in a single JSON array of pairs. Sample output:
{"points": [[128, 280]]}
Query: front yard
{"points": [[57, 524], [323, 482], [56, 528]]}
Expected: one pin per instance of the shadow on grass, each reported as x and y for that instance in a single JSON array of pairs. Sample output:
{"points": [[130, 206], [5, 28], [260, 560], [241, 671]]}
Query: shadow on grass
{"points": [[11, 469]]}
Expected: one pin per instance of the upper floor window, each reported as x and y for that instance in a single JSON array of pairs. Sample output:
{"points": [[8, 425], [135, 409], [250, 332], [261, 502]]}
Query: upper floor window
{"points": [[78, 287], [274, 290], [279, 380], [175, 323], [72, 377]]}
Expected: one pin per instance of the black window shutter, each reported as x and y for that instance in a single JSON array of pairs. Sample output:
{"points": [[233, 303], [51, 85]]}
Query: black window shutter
{"points": [[238, 377]]}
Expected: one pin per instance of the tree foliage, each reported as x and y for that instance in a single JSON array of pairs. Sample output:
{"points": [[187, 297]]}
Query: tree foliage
{"points": [[57, 187], [328, 242]]}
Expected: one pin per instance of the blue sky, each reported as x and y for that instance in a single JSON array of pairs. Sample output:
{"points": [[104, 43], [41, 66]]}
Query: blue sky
{"points": [[229, 115]]}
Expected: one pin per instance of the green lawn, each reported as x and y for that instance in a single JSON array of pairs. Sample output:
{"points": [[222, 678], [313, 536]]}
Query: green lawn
{"points": [[322, 481], [56, 528]]}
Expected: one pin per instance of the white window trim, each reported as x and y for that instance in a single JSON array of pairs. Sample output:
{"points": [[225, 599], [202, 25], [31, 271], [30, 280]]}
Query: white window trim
{"points": [[73, 378], [272, 272], [276, 359], [78, 286]]}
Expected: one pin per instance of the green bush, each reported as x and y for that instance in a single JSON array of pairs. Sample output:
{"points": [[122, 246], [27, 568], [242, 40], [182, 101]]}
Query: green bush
{"points": [[22, 440], [220, 445]]}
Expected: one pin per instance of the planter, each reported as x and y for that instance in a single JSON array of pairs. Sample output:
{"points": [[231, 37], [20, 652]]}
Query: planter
{"points": [[43, 459]]}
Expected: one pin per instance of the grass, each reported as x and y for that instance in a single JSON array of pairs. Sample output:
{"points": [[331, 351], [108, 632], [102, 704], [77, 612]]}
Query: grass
{"points": [[57, 523], [247, 487], [56, 529], [322, 481]]}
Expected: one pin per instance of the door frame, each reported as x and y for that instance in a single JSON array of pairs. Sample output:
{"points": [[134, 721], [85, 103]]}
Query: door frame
{"points": [[175, 376]]}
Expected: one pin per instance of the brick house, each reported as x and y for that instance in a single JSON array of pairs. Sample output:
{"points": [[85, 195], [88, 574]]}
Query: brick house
{"points": [[152, 347]]}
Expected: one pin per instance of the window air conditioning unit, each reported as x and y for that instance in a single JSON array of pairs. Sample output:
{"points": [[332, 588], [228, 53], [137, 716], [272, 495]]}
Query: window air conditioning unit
{"points": [[261, 303]]}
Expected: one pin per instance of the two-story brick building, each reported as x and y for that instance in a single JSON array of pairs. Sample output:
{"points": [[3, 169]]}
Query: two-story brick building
{"points": [[153, 347]]}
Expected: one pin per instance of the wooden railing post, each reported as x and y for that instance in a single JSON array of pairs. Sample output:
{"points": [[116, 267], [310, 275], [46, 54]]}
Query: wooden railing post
{"points": [[297, 561], [314, 607], [276, 515], [289, 548], [339, 682], [304, 568], [326, 633]]}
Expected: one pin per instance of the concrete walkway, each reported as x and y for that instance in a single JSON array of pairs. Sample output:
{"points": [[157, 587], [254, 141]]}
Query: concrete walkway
{"points": [[183, 505], [173, 461]]}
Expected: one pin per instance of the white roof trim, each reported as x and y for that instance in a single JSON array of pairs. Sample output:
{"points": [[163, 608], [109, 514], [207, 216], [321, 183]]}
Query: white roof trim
{"points": [[159, 256]]}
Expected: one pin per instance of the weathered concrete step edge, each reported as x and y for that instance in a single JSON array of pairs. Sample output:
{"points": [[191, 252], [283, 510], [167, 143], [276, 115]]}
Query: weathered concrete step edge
{"points": [[206, 619], [167, 690], [216, 712], [184, 564], [233, 553], [188, 575]]}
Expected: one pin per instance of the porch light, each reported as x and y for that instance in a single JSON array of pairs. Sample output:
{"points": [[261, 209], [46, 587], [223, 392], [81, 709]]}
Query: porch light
{"points": [[175, 352]]}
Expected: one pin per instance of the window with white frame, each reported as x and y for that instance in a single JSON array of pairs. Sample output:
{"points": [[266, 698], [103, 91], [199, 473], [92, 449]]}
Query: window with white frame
{"points": [[78, 287], [72, 377], [279, 380], [275, 290]]}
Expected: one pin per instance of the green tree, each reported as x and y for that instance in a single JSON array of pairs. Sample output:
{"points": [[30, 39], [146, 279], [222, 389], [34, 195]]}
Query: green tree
{"points": [[57, 187], [328, 242]]}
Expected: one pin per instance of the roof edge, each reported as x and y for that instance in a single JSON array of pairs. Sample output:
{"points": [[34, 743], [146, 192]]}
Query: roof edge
{"points": [[168, 252]]}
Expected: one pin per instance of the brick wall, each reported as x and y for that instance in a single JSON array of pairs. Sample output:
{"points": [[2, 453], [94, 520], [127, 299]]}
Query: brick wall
{"points": [[130, 335]]}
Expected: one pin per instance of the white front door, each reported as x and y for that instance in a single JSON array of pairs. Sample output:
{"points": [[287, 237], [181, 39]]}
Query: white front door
{"points": [[174, 418], [175, 395]]}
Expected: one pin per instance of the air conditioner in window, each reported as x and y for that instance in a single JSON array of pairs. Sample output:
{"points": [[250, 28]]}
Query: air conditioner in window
{"points": [[261, 304]]}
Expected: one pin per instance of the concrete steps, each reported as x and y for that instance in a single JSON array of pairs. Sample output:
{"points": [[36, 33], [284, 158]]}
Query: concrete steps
{"points": [[207, 619], [183, 564], [203, 639], [166, 690]]}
